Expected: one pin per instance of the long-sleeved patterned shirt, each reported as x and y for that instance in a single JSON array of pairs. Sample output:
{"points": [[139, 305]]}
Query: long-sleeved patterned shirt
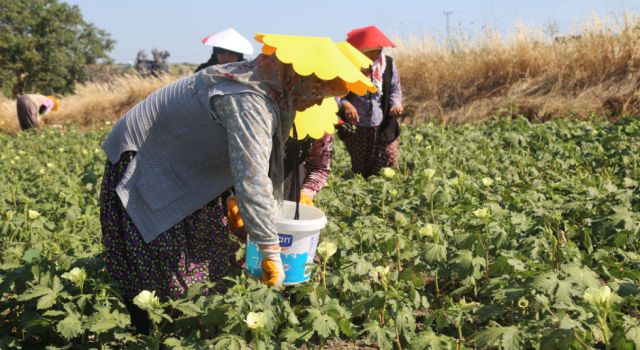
{"points": [[317, 165], [250, 122]]}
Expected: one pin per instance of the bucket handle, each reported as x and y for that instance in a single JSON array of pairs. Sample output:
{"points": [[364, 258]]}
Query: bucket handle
{"points": [[296, 173]]}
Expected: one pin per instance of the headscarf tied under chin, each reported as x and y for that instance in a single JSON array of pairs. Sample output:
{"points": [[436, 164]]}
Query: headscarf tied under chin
{"points": [[286, 88], [213, 60], [376, 71]]}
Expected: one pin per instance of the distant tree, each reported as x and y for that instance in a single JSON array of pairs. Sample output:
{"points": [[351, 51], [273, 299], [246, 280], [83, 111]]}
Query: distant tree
{"points": [[45, 46]]}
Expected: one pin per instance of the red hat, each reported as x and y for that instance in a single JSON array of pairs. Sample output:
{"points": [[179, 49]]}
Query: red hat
{"points": [[368, 38]]}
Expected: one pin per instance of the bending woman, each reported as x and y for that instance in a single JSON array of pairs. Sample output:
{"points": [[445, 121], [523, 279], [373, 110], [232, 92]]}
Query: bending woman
{"points": [[172, 156], [31, 107]]}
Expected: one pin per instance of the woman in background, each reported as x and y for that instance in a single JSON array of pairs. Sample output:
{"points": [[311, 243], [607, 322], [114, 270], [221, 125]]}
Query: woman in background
{"points": [[374, 144], [32, 106]]}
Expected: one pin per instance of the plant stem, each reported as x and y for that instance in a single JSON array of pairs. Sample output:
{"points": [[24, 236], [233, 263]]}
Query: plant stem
{"points": [[155, 333], [577, 337], [459, 325], [433, 217], [384, 193], [384, 304], [486, 251], [484, 248], [398, 338], [255, 337], [324, 274], [605, 329], [398, 254]]}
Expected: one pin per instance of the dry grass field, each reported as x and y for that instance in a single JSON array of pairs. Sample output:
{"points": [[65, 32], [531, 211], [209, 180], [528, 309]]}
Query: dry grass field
{"points": [[93, 103], [592, 72]]}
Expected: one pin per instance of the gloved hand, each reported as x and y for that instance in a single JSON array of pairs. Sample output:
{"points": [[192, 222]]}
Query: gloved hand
{"points": [[306, 198], [233, 214], [272, 270]]}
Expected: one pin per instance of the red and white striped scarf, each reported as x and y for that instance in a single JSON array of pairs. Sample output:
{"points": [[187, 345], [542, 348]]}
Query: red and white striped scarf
{"points": [[377, 70]]}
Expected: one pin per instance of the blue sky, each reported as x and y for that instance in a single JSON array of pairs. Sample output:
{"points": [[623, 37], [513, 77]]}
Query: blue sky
{"points": [[178, 26]]}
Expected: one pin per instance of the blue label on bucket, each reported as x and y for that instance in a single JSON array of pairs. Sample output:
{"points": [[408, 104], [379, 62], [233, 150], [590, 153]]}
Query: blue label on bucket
{"points": [[285, 240], [295, 268], [295, 265]]}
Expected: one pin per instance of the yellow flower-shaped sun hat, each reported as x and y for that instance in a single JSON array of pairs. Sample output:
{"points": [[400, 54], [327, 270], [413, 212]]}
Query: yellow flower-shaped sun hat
{"points": [[317, 120], [354, 55], [316, 55]]}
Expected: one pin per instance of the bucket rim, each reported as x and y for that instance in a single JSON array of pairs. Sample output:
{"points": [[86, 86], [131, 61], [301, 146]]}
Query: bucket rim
{"points": [[306, 225]]}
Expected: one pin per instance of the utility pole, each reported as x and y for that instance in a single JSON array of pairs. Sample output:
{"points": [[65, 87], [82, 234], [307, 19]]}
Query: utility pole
{"points": [[447, 15]]}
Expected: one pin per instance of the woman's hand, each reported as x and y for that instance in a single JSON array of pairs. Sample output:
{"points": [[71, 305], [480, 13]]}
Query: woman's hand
{"points": [[272, 269], [233, 214], [306, 198], [350, 112], [396, 111]]}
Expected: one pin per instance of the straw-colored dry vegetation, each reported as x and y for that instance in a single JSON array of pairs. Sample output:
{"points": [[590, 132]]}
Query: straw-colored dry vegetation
{"points": [[594, 71], [532, 73], [93, 103]]}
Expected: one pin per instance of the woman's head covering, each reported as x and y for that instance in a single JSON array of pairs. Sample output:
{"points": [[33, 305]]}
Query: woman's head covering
{"points": [[213, 59], [354, 55], [317, 120], [368, 38], [318, 56], [56, 103], [230, 40]]}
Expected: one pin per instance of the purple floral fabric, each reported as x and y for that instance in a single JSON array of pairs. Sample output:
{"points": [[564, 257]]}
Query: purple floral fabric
{"points": [[193, 251], [368, 154]]}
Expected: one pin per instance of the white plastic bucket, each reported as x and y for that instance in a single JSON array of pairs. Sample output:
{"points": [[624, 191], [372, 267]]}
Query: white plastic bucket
{"points": [[298, 241]]}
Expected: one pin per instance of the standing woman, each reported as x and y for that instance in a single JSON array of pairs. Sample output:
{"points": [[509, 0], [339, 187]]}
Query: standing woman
{"points": [[228, 46], [374, 144], [32, 106], [172, 156]]}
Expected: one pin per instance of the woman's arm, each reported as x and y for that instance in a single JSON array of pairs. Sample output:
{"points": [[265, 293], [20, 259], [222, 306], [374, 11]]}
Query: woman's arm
{"points": [[250, 123], [318, 165], [395, 89], [395, 92]]}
